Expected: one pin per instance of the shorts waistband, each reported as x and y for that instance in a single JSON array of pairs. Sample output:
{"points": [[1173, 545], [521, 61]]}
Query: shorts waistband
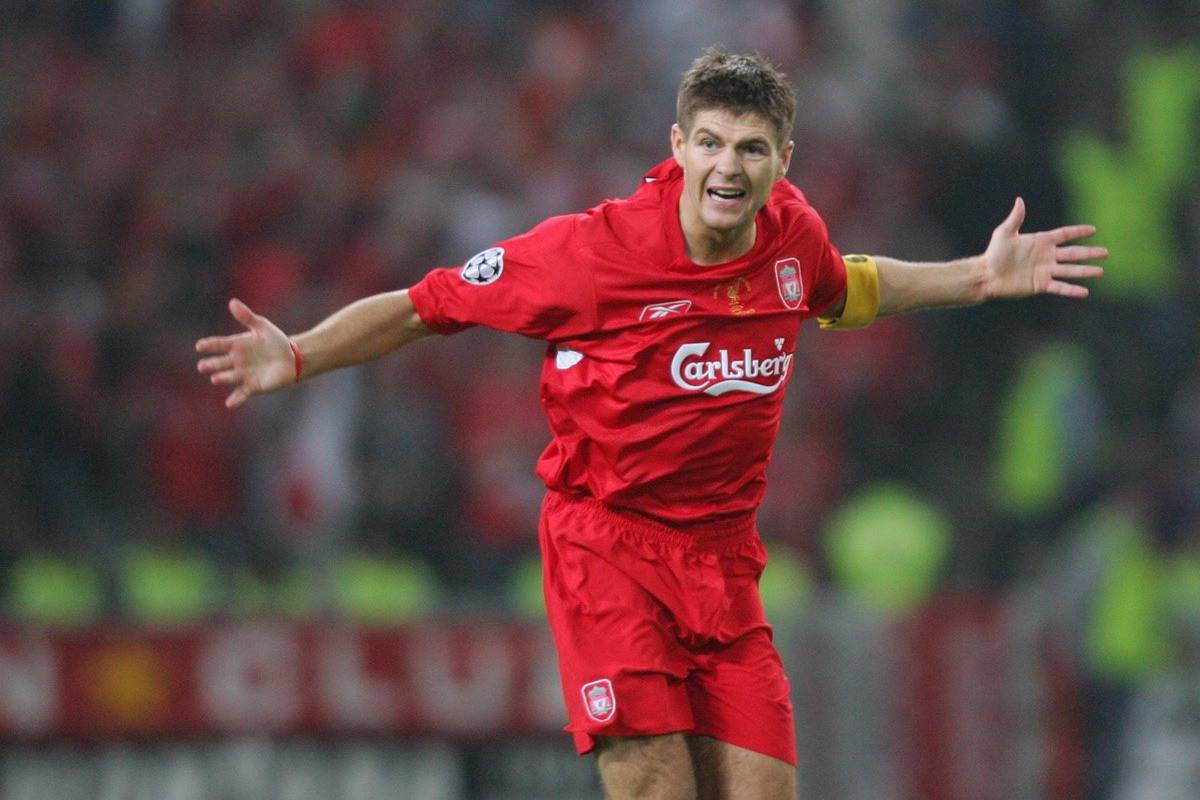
{"points": [[705, 536]]}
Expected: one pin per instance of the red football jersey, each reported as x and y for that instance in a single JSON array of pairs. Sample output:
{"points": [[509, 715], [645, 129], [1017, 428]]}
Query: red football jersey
{"points": [[664, 379]]}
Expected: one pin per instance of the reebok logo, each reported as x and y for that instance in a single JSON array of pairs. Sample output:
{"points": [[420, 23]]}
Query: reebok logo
{"points": [[660, 310], [728, 372]]}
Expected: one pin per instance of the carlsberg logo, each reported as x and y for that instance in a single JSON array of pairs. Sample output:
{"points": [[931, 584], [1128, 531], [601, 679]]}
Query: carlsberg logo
{"points": [[727, 372]]}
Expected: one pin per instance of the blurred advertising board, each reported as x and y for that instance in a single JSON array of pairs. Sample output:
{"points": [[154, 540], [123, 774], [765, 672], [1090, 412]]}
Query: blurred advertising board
{"points": [[454, 680], [969, 699]]}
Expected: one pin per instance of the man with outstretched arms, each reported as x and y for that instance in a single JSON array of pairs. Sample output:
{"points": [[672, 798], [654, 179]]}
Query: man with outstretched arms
{"points": [[671, 319]]}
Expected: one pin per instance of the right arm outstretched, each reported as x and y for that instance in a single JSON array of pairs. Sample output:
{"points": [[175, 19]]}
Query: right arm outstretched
{"points": [[261, 360]]}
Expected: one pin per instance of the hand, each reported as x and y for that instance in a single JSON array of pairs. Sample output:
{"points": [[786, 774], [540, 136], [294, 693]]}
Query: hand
{"points": [[257, 361], [1021, 264]]}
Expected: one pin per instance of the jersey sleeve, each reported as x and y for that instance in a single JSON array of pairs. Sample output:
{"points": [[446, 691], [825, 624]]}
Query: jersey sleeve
{"points": [[533, 284], [829, 271]]}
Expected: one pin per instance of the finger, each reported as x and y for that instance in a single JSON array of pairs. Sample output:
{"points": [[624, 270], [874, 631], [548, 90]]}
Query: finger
{"points": [[215, 363], [1079, 253], [225, 378], [1064, 289], [236, 398], [1060, 235], [242, 313], [1015, 217], [1078, 271], [216, 344]]}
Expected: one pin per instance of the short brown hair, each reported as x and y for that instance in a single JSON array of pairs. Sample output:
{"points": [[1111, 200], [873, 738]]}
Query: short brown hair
{"points": [[739, 84]]}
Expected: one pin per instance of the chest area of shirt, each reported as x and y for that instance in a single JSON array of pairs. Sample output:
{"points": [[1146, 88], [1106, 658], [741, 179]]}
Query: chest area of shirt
{"points": [[661, 296], [730, 334]]}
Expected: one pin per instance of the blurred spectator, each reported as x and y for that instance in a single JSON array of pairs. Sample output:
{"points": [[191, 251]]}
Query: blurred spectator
{"points": [[1160, 747], [887, 548], [1109, 584], [1049, 436]]}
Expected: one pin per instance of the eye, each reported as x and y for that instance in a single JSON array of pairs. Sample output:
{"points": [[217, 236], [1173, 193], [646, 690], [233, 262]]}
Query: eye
{"points": [[756, 149], [708, 144]]}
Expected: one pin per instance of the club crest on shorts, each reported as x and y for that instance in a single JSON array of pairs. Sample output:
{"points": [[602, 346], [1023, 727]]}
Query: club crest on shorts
{"points": [[787, 278], [484, 268], [599, 701]]}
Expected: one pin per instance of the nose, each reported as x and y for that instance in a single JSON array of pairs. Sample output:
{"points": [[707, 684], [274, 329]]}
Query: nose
{"points": [[728, 164]]}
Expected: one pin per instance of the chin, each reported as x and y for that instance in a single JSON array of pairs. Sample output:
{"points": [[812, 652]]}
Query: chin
{"points": [[725, 223]]}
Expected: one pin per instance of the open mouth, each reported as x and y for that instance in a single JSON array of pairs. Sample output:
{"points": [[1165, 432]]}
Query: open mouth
{"points": [[728, 195]]}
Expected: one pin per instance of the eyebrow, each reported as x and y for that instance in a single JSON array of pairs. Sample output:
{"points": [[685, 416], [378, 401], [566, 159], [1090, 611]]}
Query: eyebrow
{"points": [[754, 139]]}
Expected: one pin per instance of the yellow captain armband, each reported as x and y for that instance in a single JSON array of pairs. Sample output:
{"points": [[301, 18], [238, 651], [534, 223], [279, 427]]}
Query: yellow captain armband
{"points": [[862, 295]]}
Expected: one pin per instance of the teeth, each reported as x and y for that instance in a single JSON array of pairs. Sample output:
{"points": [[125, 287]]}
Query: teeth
{"points": [[726, 194]]}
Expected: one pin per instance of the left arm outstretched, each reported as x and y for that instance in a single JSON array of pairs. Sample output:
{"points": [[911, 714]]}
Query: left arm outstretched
{"points": [[1014, 265]]}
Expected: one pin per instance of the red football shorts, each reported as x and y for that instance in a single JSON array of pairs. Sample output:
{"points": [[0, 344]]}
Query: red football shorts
{"points": [[660, 631]]}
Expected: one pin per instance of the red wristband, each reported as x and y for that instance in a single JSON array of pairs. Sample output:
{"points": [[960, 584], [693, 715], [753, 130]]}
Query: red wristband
{"points": [[297, 358]]}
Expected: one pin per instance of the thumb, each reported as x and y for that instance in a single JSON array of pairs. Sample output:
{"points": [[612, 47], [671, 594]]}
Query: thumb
{"points": [[242, 313], [1015, 217]]}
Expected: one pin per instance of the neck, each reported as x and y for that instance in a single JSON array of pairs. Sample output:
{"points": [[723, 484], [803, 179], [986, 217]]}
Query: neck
{"points": [[707, 246]]}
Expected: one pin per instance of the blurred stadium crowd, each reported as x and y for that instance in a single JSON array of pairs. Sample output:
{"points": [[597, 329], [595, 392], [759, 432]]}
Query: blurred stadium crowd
{"points": [[160, 156]]}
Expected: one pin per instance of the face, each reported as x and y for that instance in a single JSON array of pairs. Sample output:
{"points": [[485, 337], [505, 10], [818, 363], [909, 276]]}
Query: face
{"points": [[729, 165]]}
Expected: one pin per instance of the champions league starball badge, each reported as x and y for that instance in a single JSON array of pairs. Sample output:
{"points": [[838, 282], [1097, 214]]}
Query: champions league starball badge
{"points": [[485, 267]]}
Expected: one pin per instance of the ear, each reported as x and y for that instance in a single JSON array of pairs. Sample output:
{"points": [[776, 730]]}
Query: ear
{"points": [[785, 158], [677, 140]]}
